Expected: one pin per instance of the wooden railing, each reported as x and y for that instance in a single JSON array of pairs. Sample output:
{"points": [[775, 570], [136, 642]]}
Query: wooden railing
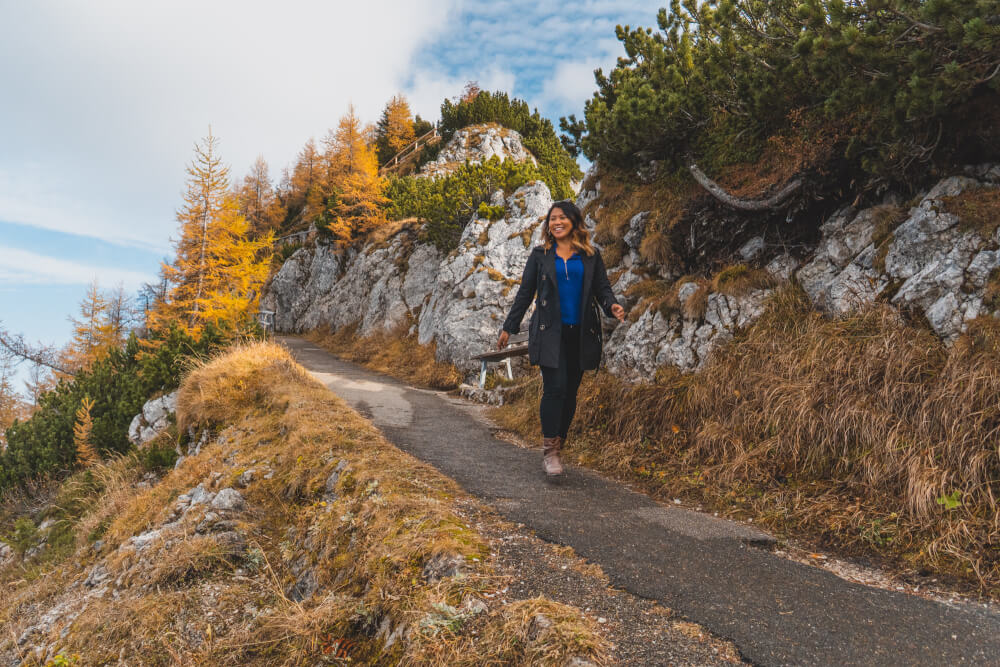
{"points": [[400, 158], [297, 237]]}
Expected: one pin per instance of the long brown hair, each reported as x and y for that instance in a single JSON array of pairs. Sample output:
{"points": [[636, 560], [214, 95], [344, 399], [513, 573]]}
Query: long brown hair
{"points": [[579, 236]]}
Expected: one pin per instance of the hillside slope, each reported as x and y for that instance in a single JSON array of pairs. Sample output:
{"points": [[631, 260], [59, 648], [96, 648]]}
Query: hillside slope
{"points": [[297, 535]]}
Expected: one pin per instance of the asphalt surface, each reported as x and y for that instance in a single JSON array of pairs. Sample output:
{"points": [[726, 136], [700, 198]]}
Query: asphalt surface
{"points": [[716, 573]]}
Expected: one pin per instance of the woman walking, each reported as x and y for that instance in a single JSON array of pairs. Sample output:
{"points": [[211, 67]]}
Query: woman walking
{"points": [[564, 333]]}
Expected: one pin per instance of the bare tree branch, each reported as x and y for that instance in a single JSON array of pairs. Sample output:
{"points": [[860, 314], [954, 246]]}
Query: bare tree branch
{"points": [[39, 355], [716, 191]]}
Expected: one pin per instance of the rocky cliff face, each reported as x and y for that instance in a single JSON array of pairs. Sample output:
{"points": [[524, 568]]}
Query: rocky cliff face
{"points": [[921, 257], [478, 143]]}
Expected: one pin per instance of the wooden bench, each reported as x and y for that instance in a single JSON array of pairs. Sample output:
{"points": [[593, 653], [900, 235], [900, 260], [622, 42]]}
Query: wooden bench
{"points": [[517, 345]]}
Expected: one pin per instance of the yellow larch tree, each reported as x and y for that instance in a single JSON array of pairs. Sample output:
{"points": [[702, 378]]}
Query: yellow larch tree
{"points": [[12, 405], [356, 189], [394, 130], [238, 268], [218, 270], [307, 193], [93, 332], [86, 453], [258, 200]]}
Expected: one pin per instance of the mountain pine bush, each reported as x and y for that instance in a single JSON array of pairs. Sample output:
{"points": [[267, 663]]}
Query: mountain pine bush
{"points": [[557, 166], [116, 387], [894, 84], [446, 204]]}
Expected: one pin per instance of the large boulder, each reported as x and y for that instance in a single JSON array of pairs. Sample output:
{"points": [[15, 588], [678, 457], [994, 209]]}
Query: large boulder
{"points": [[155, 417]]}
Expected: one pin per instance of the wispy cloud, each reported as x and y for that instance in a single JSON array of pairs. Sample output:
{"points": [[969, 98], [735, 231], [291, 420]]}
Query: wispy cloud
{"points": [[551, 47], [24, 267], [104, 99]]}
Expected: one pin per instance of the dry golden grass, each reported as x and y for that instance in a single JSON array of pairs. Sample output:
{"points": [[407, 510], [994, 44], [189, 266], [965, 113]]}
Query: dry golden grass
{"points": [[394, 354], [382, 541], [978, 210], [696, 303], [740, 279], [863, 432]]}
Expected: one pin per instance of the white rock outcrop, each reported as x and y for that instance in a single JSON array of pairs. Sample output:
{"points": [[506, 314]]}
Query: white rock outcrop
{"points": [[476, 144], [153, 419], [929, 261]]}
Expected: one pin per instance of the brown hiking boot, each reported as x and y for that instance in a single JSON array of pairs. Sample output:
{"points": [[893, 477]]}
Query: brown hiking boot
{"points": [[550, 456]]}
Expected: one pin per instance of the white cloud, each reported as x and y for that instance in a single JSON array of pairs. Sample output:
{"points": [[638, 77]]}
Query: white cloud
{"points": [[24, 267], [104, 99], [572, 82], [429, 88]]}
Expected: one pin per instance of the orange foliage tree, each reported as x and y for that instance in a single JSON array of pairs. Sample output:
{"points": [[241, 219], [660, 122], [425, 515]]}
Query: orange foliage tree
{"points": [[394, 130], [355, 200], [258, 201], [218, 270]]}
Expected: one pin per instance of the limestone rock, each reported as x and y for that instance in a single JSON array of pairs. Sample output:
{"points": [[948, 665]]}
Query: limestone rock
{"points": [[153, 419], [476, 283], [933, 263], [229, 500], [476, 144]]}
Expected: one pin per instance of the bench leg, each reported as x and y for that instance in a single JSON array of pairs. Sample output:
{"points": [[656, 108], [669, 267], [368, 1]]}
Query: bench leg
{"points": [[510, 373], [482, 374]]}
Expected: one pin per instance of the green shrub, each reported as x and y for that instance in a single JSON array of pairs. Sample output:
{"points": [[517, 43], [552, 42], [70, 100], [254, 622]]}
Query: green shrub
{"points": [[25, 535], [447, 204], [286, 250], [884, 80], [491, 212], [119, 384], [557, 167]]}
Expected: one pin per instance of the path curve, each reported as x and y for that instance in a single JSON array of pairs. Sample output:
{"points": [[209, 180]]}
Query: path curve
{"points": [[713, 572]]}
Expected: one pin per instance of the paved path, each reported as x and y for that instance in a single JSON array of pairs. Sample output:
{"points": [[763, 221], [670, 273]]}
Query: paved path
{"points": [[777, 611]]}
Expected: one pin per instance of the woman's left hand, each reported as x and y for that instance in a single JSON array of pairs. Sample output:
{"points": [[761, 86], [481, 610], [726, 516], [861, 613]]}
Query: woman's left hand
{"points": [[618, 312]]}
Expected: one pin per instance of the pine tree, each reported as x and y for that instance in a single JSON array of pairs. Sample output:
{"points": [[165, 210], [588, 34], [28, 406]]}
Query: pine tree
{"points": [[395, 129], [93, 333], [258, 200], [217, 272], [306, 195], [356, 190], [86, 454]]}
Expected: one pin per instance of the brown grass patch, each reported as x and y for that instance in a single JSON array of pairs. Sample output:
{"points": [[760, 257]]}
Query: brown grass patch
{"points": [[977, 209], [653, 293], [862, 432], [396, 354], [389, 555], [696, 303], [740, 279], [806, 145]]}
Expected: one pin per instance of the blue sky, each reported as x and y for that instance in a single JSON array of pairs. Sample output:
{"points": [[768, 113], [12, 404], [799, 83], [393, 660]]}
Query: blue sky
{"points": [[103, 101]]}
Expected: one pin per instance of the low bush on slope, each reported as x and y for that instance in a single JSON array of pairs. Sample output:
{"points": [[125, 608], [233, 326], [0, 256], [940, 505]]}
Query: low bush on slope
{"points": [[296, 536], [864, 430], [119, 384]]}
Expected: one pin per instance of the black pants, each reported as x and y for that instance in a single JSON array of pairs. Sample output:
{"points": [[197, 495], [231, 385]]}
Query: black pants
{"points": [[559, 386]]}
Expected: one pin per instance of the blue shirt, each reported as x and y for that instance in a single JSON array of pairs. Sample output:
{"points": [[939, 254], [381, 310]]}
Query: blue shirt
{"points": [[569, 281]]}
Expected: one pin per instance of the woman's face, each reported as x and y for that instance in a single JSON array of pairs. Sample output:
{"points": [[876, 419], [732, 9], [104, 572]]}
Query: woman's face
{"points": [[560, 226]]}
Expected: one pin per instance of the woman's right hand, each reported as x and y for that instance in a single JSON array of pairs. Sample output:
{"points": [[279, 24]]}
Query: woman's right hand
{"points": [[502, 342]]}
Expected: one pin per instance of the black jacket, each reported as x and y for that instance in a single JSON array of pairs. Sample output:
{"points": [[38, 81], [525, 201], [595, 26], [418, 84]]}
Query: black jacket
{"points": [[544, 329]]}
